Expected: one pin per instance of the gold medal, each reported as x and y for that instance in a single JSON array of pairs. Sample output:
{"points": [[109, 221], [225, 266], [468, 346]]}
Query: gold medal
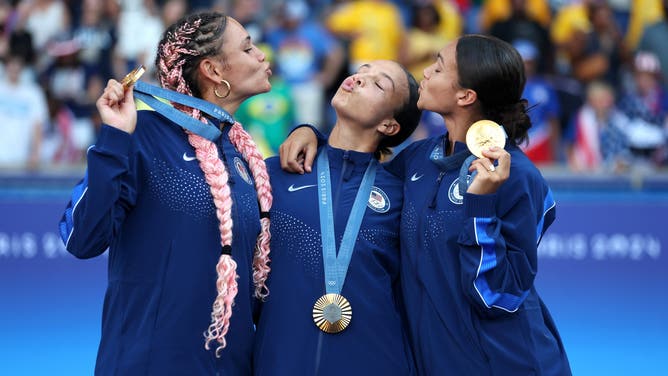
{"points": [[133, 76], [482, 135], [332, 313]]}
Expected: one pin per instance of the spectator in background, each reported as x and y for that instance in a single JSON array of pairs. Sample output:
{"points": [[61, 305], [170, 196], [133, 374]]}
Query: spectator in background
{"points": [[24, 114], [498, 10], [59, 145], [606, 38], [646, 106], [19, 43], [520, 25], [543, 144], [71, 87], [451, 15], [452, 18], [173, 10], [139, 31], [307, 56], [248, 13], [373, 28], [424, 38], [642, 13], [96, 36], [71, 81], [655, 40], [597, 138], [569, 32], [8, 20], [44, 20], [568, 19], [268, 117], [589, 42]]}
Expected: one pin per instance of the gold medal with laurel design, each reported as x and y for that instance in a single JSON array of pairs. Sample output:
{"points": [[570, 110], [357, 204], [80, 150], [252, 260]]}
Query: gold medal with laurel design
{"points": [[133, 76], [482, 134], [332, 313]]}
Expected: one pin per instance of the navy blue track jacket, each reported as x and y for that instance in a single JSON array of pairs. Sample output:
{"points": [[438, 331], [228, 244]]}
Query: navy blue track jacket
{"points": [[468, 267], [144, 198], [288, 341]]}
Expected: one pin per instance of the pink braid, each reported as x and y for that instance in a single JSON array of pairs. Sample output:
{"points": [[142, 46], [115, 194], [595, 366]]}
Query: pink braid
{"points": [[173, 52], [216, 176], [247, 147]]}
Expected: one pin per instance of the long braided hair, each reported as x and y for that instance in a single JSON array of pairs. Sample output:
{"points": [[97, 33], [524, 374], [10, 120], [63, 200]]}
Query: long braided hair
{"points": [[182, 47]]}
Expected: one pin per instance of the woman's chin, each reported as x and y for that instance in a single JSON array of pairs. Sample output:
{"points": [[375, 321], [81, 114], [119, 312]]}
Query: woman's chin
{"points": [[266, 87], [420, 105]]}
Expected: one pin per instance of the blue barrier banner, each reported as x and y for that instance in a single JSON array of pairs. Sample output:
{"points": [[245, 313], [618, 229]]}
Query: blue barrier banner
{"points": [[602, 273], [50, 302]]}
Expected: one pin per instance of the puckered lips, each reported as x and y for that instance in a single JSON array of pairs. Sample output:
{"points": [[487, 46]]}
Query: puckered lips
{"points": [[348, 84]]}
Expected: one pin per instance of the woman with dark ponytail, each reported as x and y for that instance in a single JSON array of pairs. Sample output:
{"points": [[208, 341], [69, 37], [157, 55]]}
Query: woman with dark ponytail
{"points": [[471, 226], [183, 213]]}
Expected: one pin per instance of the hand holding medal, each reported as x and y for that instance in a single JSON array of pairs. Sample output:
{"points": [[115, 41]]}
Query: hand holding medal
{"points": [[486, 140], [116, 105]]}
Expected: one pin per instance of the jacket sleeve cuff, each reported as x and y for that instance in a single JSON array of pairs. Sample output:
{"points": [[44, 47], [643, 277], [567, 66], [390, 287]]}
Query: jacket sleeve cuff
{"points": [[481, 206], [322, 139], [113, 141]]}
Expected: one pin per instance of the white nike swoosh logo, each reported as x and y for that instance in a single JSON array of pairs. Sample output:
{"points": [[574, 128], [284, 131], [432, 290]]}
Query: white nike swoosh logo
{"points": [[292, 188], [415, 177], [187, 158]]}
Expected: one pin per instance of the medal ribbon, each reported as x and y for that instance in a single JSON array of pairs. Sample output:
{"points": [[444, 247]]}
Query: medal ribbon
{"points": [[148, 94], [465, 179], [336, 267]]}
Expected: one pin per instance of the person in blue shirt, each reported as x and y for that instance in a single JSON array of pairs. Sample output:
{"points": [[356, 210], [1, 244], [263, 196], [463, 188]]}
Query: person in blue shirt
{"points": [[470, 233], [183, 214], [307, 56], [376, 109]]}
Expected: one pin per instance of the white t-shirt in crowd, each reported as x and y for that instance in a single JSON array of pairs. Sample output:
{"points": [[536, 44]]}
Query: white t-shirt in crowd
{"points": [[22, 108]]}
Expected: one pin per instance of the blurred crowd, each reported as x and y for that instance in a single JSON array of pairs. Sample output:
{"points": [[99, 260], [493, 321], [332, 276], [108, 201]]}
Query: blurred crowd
{"points": [[597, 71]]}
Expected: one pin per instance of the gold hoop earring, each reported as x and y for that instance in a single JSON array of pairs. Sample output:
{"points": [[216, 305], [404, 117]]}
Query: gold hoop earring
{"points": [[229, 90]]}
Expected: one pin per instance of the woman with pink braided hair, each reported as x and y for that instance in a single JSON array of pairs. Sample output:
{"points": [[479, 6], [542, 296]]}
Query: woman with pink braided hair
{"points": [[182, 206]]}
